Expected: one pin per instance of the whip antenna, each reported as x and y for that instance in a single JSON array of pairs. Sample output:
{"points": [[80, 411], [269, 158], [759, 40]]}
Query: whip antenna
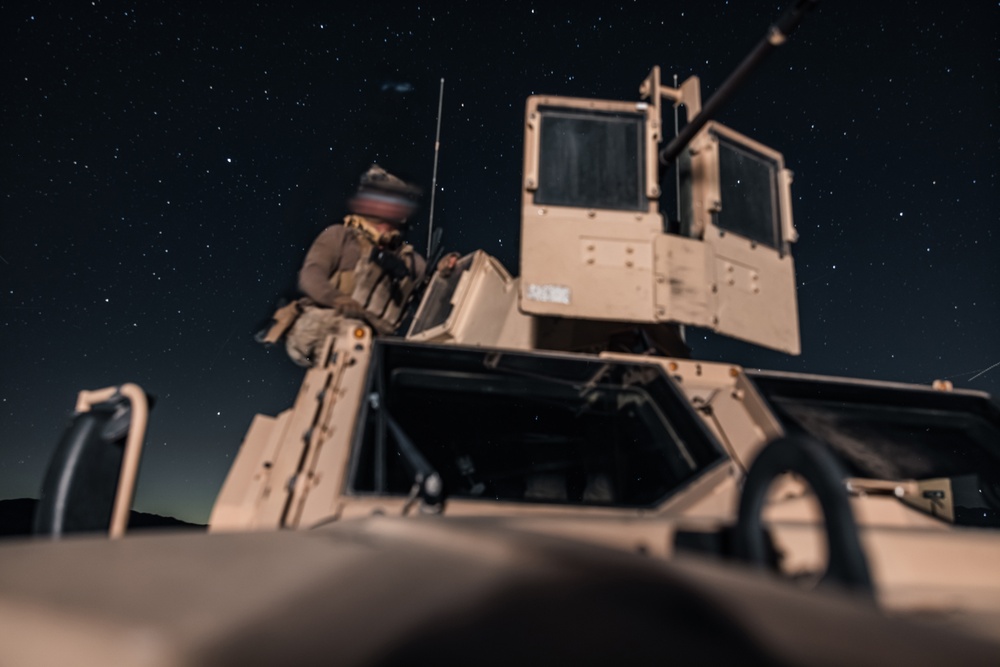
{"points": [[677, 174], [437, 149]]}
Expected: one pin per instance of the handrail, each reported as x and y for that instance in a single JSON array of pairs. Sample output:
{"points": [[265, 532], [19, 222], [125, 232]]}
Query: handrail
{"points": [[139, 419]]}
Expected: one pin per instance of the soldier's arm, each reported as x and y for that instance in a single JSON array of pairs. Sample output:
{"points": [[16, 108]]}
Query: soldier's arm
{"points": [[445, 265], [419, 268], [320, 263]]}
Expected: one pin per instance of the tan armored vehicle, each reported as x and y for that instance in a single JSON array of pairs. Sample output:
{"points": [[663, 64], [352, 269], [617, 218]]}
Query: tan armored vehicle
{"points": [[537, 473]]}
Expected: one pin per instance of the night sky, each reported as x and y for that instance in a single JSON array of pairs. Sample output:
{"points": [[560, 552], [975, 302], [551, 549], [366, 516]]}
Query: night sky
{"points": [[165, 165]]}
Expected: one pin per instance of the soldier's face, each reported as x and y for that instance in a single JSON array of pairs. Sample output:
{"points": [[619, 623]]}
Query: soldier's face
{"points": [[384, 227]]}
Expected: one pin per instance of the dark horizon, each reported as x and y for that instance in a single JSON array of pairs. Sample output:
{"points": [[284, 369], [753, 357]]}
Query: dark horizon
{"points": [[17, 519]]}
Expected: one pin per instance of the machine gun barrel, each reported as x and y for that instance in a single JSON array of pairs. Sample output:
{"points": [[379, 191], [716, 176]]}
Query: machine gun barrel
{"points": [[775, 37]]}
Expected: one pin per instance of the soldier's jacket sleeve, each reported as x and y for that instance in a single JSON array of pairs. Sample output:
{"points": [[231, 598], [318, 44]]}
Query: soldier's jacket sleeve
{"points": [[321, 262]]}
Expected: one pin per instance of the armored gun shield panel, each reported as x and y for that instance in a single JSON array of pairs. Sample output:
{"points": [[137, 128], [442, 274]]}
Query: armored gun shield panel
{"points": [[589, 213], [595, 246], [475, 304], [736, 200]]}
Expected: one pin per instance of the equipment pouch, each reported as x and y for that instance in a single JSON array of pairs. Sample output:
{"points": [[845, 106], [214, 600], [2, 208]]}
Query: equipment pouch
{"points": [[282, 320]]}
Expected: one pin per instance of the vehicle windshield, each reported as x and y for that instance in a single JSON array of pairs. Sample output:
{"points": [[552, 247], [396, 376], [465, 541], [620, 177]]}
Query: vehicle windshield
{"points": [[896, 432], [888, 432], [531, 428]]}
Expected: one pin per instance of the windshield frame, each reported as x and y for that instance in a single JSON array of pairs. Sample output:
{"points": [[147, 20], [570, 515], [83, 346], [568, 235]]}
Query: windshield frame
{"points": [[554, 378], [859, 404]]}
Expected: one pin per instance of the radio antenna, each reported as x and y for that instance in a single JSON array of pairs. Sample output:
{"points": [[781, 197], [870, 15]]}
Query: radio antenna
{"points": [[437, 149], [677, 172]]}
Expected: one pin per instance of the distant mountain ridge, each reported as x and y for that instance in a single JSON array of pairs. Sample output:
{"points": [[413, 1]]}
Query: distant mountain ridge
{"points": [[17, 516]]}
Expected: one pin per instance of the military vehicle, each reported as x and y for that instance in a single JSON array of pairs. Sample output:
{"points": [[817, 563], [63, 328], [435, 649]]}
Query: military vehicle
{"points": [[537, 472]]}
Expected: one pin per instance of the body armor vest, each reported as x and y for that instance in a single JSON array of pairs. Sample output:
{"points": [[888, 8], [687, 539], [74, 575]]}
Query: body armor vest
{"points": [[382, 280]]}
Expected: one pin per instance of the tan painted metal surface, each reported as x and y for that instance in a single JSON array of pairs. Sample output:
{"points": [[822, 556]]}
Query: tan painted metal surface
{"points": [[301, 563]]}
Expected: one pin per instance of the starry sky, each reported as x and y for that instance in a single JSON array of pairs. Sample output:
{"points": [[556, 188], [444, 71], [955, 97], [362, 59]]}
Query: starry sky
{"points": [[165, 166]]}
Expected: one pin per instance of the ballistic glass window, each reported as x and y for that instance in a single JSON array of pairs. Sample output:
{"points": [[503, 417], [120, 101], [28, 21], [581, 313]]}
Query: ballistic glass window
{"points": [[748, 183], [592, 159]]}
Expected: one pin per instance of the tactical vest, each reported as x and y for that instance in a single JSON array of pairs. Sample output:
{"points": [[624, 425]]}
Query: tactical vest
{"points": [[383, 292]]}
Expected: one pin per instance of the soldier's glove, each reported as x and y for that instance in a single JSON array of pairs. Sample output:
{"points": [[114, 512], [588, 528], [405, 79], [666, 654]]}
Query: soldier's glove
{"points": [[348, 307], [390, 263], [447, 264]]}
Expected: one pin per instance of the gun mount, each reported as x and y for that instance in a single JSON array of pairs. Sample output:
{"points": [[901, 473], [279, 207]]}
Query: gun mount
{"points": [[598, 255], [595, 245]]}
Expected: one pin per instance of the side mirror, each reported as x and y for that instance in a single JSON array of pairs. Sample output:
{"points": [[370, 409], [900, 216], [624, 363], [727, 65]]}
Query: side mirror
{"points": [[90, 482]]}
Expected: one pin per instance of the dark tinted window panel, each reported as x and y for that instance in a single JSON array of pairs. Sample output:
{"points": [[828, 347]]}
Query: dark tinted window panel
{"points": [[892, 432], [531, 428], [748, 184], [592, 160], [888, 432]]}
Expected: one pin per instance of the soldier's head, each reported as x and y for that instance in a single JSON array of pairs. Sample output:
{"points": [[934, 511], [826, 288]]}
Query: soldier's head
{"points": [[384, 198]]}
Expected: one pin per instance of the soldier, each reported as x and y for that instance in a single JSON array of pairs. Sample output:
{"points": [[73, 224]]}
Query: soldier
{"points": [[360, 270]]}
